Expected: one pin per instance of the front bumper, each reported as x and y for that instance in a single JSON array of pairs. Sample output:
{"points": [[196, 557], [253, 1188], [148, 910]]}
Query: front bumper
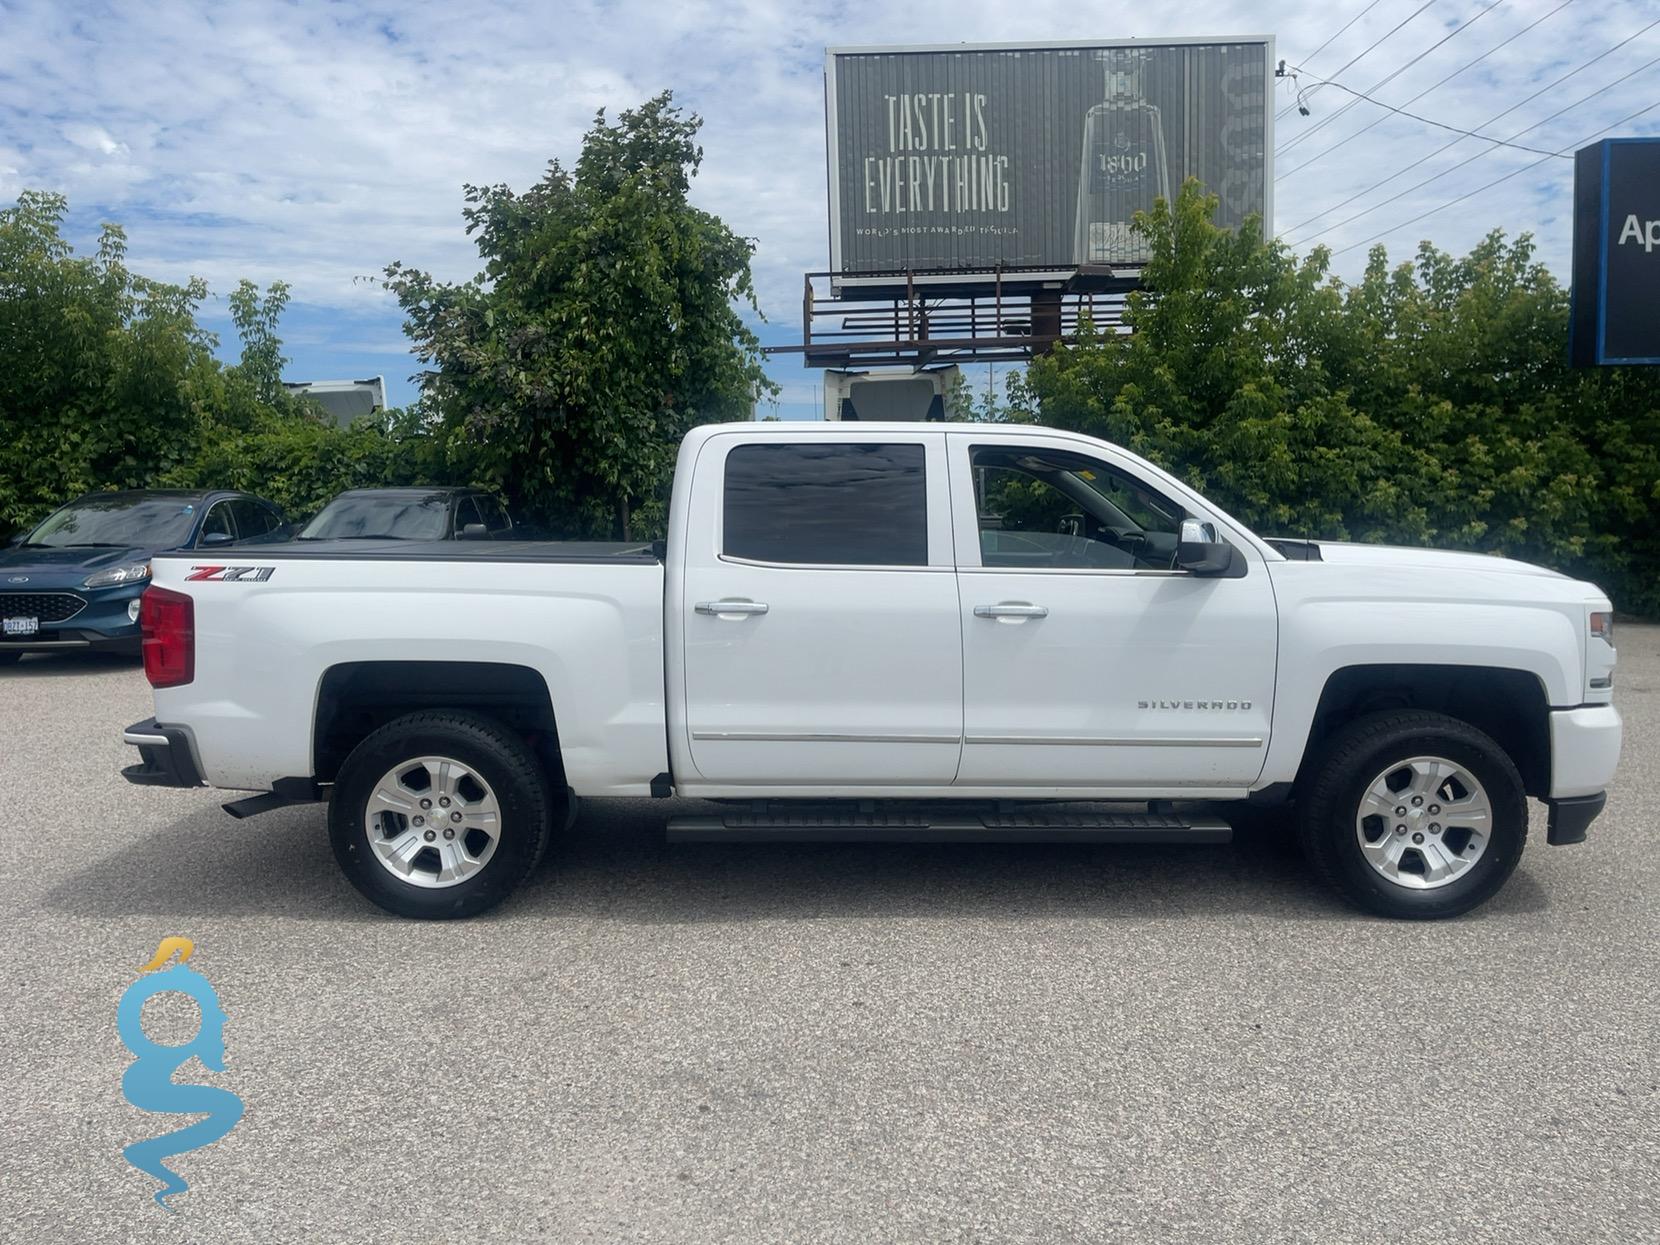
{"points": [[1570, 818], [103, 624], [168, 760], [1584, 750]]}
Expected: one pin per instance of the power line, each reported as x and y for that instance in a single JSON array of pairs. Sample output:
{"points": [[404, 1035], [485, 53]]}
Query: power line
{"points": [[1498, 142], [1478, 155], [1550, 86], [1328, 43], [1471, 64], [1349, 64], [1385, 81], [1499, 180]]}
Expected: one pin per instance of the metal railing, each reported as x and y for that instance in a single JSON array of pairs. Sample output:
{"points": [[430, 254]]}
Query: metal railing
{"points": [[913, 317]]}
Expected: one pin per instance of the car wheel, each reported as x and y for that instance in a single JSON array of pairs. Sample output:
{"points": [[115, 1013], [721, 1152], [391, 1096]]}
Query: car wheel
{"points": [[439, 815], [1413, 814]]}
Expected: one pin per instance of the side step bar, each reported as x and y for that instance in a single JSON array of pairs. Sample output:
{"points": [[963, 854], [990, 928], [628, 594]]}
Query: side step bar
{"points": [[865, 822]]}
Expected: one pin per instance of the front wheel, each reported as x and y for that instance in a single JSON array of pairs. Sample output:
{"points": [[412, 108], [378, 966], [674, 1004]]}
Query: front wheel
{"points": [[1414, 814], [439, 815]]}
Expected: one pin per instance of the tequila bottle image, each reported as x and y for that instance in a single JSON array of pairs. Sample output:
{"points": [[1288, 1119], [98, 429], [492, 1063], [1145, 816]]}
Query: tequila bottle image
{"points": [[1124, 166]]}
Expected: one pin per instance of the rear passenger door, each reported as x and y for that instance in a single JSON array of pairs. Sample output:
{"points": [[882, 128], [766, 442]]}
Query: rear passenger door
{"points": [[822, 644]]}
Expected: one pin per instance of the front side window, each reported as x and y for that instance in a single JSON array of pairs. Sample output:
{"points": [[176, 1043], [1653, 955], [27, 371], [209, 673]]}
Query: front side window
{"points": [[1054, 510], [217, 523], [252, 519], [827, 504]]}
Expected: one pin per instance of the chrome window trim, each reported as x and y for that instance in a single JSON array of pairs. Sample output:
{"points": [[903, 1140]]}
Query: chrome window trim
{"points": [[832, 566]]}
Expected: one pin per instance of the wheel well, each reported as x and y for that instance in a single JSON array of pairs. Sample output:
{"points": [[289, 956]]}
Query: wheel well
{"points": [[356, 698], [1509, 705]]}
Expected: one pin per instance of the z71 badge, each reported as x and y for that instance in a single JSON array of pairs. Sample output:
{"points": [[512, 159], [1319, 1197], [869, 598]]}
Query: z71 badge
{"points": [[231, 574]]}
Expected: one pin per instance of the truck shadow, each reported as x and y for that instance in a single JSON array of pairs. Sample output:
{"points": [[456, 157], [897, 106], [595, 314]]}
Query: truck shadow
{"points": [[614, 865]]}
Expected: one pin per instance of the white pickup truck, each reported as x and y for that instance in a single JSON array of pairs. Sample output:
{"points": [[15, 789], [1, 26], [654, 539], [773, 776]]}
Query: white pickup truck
{"points": [[881, 631]]}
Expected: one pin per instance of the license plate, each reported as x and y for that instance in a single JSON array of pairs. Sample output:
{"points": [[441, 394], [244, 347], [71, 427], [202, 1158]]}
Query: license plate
{"points": [[20, 626]]}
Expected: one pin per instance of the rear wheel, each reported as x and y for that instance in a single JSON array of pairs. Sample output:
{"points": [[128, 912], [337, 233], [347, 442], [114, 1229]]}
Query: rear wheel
{"points": [[1414, 814], [439, 815]]}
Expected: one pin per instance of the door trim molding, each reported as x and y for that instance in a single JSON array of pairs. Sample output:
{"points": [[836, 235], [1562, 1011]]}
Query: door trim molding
{"points": [[792, 737], [1095, 741]]}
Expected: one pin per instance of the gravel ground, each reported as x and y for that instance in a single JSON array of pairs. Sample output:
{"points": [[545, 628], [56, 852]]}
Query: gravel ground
{"points": [[821, 1043]]}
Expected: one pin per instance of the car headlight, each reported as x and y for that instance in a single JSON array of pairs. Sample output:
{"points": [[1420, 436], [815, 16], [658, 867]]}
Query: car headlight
{"points": [[132, 573]]}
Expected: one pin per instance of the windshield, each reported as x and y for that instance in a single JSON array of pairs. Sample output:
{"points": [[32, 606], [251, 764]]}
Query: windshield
{"points": [[383, 517], [156, 522]]}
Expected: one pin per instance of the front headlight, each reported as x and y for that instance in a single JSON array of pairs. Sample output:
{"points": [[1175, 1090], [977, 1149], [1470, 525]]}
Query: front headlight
{"points": [[132, 573]]}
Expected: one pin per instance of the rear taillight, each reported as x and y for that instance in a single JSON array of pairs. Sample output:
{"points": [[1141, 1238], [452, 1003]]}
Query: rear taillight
{"points": [[1602, 626], [168, 620]]}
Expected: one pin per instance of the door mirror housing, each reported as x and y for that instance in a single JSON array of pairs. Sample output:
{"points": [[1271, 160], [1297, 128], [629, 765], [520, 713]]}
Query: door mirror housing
{"points": [[474, 531], [216, 538], [1200, 552]]}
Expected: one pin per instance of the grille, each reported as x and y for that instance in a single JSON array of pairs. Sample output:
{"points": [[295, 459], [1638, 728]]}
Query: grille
{"points": [[49, 607]]}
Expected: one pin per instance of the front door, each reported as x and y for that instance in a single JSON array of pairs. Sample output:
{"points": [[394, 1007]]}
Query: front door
{"points": [[819, 609], [1088, 660]]}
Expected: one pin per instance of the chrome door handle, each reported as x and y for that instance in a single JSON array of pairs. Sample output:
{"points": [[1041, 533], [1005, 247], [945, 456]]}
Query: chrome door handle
{"points": [[720, 608], [1011, 609]]}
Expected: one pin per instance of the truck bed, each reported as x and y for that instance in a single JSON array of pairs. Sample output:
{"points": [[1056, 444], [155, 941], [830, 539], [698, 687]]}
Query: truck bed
{"points": [[272, 622], [596, 551]]}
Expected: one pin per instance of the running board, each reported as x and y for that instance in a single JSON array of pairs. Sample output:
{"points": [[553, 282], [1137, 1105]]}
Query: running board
{"points": [[944, 823]]}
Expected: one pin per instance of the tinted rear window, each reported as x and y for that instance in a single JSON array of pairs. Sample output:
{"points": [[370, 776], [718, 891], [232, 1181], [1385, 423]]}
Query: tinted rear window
{"points": [[827, 504]]}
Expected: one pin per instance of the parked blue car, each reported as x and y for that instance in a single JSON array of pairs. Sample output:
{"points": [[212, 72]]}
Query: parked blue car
{"points": [[74, 581]]}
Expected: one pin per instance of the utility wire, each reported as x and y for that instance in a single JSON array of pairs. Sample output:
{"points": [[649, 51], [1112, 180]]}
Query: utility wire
{"points": [[1385, 81], [1471, 64], [1349, 64], [1499, 180], [1550, 86], [1478, 155], [1497, 142], [1327, 44]]}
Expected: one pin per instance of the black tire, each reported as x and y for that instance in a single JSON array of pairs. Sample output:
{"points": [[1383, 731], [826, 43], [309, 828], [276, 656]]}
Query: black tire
{"points": [[500, 758], [1329, 801]]}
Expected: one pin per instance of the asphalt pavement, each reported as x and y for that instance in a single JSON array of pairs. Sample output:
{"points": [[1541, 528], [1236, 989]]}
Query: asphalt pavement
{"points": [[839, 1043]]}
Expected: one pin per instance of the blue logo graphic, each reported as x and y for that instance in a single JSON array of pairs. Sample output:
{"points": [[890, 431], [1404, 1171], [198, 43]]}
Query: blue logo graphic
{"points": [[148, 1082]]}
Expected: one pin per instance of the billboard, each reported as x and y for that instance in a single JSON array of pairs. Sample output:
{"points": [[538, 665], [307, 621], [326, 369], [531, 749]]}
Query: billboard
{"points": [[966, 156], [1616, 274]]}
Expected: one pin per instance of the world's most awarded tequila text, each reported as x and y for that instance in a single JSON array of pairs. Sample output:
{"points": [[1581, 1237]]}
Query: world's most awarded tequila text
{"points": [[1124, 166]]}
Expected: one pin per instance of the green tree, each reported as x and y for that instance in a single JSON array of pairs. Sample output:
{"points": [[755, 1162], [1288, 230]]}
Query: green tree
{"points": [[256, 324], [603, 326], [97, 364], [1430, 401]]}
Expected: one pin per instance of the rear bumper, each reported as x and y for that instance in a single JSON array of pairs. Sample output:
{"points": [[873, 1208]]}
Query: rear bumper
{"points": [[1584, 750], [167, 758]]}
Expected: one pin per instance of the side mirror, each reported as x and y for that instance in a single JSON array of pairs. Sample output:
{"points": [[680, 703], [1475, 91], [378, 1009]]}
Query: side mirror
{"points": [[216, 538], [1199, 551], [474, 531]]}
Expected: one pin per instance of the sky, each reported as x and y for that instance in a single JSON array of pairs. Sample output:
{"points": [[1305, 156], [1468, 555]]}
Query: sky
{"points": [[316, 142]]}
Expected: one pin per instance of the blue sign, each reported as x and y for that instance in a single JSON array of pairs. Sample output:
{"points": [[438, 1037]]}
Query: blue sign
{"points": [[148, 1082], [1616, 282]]}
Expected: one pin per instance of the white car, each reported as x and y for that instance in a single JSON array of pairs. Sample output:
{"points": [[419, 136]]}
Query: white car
{"points": [[883, 631]]}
